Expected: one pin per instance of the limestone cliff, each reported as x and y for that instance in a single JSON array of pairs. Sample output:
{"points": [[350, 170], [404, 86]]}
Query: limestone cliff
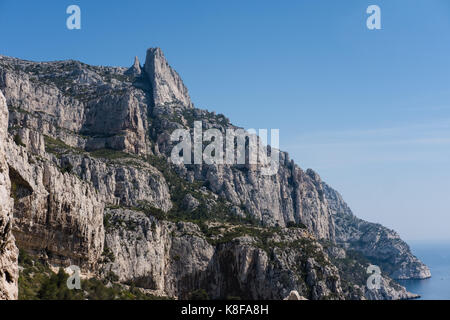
{"points": [[87, 151], [8, 250], [379, 244]]}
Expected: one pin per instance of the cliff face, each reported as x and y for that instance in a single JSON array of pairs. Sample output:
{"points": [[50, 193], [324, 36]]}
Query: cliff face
{"points": [[88, 150], [55, 213], [379, 244], [8, 251], [177, 258]]}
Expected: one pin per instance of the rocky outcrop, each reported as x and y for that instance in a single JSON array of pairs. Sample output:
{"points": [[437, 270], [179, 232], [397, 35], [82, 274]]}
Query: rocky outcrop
{"points": [[8, 250], [55, 213], [125, 181], [167, 86], [85, 107], [135, 69], [289, 196], [389, 290], [382, 246], [117, 121], [154, 254], [294, 295], [175, 259]]}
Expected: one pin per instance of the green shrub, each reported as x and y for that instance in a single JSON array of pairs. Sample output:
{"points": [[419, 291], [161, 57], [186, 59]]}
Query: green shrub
{"points": [[55, 288], [55, 146], [199, 294], [38, 282], [292, 224], [110, 154], [149, 210], [18, 141]]}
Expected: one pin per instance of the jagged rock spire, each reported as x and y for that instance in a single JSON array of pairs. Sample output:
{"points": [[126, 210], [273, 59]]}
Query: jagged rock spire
{"points": [[135, 69], [168, 88]]}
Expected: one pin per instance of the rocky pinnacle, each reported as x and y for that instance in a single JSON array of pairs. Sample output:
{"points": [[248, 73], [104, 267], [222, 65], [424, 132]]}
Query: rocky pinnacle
{"points": [[168, 88], [135, 69]]}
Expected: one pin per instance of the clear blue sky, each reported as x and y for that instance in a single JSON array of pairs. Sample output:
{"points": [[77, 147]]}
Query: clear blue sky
{"points": [[368, 110]]}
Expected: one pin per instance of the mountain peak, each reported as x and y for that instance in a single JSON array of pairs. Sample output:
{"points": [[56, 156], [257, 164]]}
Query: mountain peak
{"points": [[168, 87]]}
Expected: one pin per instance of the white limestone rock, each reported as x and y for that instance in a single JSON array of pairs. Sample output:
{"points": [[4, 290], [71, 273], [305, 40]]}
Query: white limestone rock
{"points": [[8, 251], [294, 295], [168, 88], [62, 193], [135, 69]]}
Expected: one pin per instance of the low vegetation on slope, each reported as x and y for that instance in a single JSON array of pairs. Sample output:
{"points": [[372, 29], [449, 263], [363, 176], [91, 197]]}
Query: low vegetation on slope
{"points": [[37, 281]]}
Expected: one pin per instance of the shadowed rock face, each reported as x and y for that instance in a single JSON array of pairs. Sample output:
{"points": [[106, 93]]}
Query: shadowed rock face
{"points": [[8, 250], [87, 151]]}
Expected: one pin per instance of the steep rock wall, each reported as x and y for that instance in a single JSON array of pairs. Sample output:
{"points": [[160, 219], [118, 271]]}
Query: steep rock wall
{"points": [[8, 250], [56, 214]]}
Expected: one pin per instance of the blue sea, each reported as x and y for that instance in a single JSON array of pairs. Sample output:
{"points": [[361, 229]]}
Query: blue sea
{"points": [[437, 257]]}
